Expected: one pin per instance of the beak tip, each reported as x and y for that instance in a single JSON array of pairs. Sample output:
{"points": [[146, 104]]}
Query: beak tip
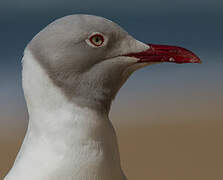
{"points": [[198, 61]]}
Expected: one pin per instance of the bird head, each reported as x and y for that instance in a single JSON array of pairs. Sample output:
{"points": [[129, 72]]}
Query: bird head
{"points": [[89, 57]]}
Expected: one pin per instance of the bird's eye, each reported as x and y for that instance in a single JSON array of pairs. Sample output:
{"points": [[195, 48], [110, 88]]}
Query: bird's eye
{"points": [[97, 40]]}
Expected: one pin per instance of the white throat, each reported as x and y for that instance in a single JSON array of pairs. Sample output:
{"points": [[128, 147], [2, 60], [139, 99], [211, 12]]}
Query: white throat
{"points": [[64, 141]]}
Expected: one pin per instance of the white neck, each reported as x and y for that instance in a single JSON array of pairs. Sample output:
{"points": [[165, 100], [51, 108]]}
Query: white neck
{"points": [[63, 140]]}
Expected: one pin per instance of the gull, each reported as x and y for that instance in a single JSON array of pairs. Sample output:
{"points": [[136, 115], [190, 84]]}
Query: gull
{"points": [[72, 70]]}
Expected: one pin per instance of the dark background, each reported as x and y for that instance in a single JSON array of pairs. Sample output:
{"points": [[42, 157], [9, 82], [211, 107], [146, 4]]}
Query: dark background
{"points": [[169, 117]]}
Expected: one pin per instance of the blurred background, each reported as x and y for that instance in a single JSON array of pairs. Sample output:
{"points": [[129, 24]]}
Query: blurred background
{"points": [[168, 117]]}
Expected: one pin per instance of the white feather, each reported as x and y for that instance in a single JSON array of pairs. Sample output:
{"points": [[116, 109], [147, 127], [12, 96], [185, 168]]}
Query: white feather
{"points": [[63, 141]]}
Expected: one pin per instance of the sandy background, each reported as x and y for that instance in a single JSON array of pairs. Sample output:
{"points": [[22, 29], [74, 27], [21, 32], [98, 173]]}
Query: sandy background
{"points": [[157, 151]]}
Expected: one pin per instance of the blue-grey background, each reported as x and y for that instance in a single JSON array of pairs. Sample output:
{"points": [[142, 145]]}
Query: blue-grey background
{"points": [[161, 96]]}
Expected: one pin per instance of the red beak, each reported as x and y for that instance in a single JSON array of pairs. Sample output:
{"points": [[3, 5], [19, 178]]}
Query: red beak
{"points": [[164, 53]]}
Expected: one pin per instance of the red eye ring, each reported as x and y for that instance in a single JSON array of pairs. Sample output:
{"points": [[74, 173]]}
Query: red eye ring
{"points": [[97, 40]]}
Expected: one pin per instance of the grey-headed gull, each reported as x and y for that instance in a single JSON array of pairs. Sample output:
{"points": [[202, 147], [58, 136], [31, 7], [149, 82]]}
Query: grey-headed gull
{"points": [[72, 71]]}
